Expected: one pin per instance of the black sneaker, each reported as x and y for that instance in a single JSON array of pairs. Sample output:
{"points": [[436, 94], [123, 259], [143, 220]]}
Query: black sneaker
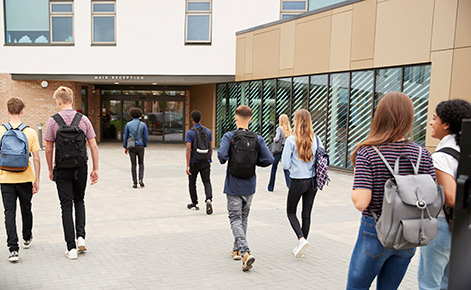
{"points": [[134, 185], [27, 243], [209, 207], [192, 206], [14, 257], [141, 183]]}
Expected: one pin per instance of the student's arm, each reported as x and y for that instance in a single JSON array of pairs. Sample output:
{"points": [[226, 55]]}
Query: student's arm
{"points": [[37, 171], [286, 155], [449, 185], [264, 156], [223, 152], [125, 139], [277, 135], [362, 181], [188, 157], [210, 146], [49, 153], [361, 198], [94, 149]]}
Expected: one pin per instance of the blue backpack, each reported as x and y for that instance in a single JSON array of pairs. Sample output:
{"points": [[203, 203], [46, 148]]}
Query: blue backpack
{"points": [[14, 149]]}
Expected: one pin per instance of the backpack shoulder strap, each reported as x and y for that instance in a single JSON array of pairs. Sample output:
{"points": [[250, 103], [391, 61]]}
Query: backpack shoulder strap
{"points": [[22, 126], [416, 169], [59, 120], [76, 120], [450, 151], [7, 126], [383, 159]]}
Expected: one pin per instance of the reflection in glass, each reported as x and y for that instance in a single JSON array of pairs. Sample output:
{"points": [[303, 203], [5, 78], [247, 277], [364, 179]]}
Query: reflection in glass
{"points": [[337, 119], [300, 94], [234, 101], [387, 80], [221, 109], [361, 107], [269, 122], [111, 120], [254, 102], [174, 125], [318, 94], [283, 97], [153, 114]]}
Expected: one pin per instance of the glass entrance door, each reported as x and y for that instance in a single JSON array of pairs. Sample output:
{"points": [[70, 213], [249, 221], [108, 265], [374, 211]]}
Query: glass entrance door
{"points": [[154, 119], [174, 125]]}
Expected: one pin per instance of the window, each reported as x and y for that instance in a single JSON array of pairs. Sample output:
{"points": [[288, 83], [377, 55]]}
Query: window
{"points": [[290, 8], [39, 22], [103, 22], [198, 21]]}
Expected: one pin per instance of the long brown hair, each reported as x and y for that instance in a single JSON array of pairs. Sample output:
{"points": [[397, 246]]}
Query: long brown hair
{"points": [[392, 121], [303, 134], [285, 125]]}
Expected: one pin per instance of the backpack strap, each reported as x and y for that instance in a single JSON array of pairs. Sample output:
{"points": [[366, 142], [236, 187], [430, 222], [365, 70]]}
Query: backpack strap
{"points": [[450, 151], [137, 129], [59, 120], [7, 126], [76, 120], [22, 126], [383, 159]]}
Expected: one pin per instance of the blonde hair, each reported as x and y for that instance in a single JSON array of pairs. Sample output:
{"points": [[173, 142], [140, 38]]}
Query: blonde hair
{"points": [[392, 121], [285, 125], [64, 94], [303, 134]]}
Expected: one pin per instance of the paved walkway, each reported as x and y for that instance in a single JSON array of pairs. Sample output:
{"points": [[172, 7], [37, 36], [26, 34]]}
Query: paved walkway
{"points": [[148, 239]]}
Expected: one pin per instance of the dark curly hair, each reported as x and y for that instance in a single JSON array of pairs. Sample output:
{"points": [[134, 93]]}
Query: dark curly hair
{"points": [[135, 112], [453, 112]]}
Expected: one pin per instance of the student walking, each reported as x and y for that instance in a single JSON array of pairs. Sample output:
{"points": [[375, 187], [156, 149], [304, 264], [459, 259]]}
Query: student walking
{"points": [[282, 132], [446, 126], [198, 160], [137, 131], [244, 150], [299, 158], [69, 171], [390, 127], [17, 180]]}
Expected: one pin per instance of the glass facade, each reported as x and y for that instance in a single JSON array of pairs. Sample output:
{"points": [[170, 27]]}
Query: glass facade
{"points": [[341, 104]]}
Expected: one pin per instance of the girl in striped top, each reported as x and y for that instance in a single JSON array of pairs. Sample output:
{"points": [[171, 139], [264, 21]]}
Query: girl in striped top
{"points": [[391, 124]]}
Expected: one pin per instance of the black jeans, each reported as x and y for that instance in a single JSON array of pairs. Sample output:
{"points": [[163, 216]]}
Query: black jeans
{"points": [[23, 192], [71, 184], [204, 168], [301, 188], [139, 153]]}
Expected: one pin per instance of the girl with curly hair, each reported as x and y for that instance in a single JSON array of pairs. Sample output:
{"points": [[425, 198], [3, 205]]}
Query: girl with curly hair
{"points": [[446, 126]]}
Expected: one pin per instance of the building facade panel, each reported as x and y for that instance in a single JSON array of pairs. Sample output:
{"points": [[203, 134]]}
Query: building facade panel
{"points": [[444, 24], [363, 30], [340, 41], [463, 24]]}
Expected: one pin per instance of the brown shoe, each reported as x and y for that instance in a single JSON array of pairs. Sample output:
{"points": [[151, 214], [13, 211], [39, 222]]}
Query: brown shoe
{"points": [[236, 255], [247, 261]]}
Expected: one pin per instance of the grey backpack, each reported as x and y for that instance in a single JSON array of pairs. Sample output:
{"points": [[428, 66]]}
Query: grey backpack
{"points": [[411, 204]]}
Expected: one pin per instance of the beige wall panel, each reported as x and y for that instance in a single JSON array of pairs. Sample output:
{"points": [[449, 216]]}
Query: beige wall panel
{"points": [[361, 64], [286, 73], [312, 51], [340, 41], [403, 32], [287, 42], [266, 54], [363, 30], [440, 84], [314, 17], [248, 53], [461, 75], [444, 20], [342, 9], [203, 99], [240, 58], [463, 24]]}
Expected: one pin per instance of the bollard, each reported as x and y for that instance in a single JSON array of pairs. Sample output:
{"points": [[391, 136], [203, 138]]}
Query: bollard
{"points": [[40, 136]]}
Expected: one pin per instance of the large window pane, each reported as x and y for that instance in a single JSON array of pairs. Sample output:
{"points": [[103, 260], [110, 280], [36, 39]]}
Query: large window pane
{"points": [[221, 109], [198, 28], [417, 87], [62, 28], [318, 94], [199, 6], [361, 109], [283, 97], [300, 94], [27, 21], [234, 101], [387, 80], [337, 119], [103, 29], [254, 103], [294, 5], [268, 110]]}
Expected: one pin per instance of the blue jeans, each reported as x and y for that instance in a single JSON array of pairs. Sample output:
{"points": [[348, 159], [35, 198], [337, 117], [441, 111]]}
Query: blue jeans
{"points": [[271, 184], [370, 259], [434, 259]]}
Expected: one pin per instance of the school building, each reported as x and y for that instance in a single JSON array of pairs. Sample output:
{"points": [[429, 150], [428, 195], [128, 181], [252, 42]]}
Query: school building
{"points": [[334, 58]]}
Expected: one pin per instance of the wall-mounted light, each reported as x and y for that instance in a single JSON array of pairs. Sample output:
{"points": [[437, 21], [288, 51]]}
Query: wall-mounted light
{"points": [[44, 84], [154, 84]]}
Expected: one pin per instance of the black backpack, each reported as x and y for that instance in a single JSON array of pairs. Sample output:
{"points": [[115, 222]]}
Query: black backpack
{"points": [[71, 148], [201, 146], [243, 155]]}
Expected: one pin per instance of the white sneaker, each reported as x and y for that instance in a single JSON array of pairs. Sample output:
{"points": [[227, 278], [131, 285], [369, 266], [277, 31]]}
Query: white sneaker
{"points": [[81, 244], [294, 250], [72, 254], [302, 246]]}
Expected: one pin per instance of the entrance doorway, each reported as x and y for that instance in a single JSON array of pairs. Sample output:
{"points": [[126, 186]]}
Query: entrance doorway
{"points": [[164, 116]]}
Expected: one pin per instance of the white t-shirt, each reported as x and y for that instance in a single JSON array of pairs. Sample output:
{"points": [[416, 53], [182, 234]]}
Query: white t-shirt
{"points": [[445, 162]]}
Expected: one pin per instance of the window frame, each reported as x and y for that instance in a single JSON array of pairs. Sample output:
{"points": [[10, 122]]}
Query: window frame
{"points": [[292, 12], [103, 14], [64, 15], [202, 13]]}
